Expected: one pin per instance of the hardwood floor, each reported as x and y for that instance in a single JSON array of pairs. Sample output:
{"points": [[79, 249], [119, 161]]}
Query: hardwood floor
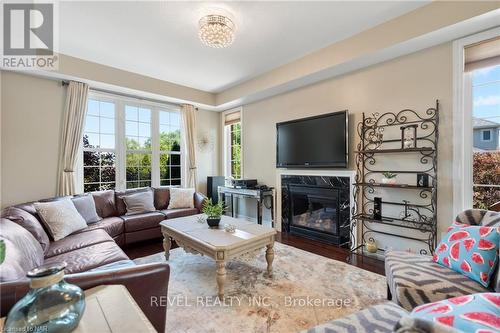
{"points": [[332, 252], [154, 246]]}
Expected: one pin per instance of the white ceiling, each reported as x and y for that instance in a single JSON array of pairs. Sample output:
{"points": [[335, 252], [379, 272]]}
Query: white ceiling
{"points": [[159, 39]]}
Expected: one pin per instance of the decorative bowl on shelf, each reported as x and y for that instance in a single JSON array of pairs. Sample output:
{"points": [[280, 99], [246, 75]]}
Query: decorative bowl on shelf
{"points": [[388, 178], [389, 181]]}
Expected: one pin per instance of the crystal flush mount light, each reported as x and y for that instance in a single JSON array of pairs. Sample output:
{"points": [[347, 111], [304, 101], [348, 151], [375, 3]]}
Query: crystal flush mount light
{"points": [[216, 30]]}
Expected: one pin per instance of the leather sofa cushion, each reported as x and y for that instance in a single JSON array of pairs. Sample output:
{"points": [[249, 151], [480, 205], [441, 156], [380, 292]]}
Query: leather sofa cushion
{"points": [[23, 252], [142, 221], [77, 241], [90, 257], [179, 212], [112, 225], [28, 222], [120, 240], [161, 197], [29, 207], [120, 203], [105, 203], [142, 235]]}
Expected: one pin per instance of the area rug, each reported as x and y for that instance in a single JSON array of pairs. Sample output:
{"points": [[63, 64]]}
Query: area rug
{"points": [[305, 290]]}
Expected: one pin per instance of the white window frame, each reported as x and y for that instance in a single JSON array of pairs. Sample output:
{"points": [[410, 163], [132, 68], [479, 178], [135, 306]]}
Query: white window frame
{"points": [[156, 145], [462, 118], [484, 131], [120, 135], [80, 173], [226, 146]]}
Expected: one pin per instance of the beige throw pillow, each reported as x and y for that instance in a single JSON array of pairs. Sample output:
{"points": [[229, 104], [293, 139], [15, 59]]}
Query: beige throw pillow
{"points": [[181, 198], [60, 217]]}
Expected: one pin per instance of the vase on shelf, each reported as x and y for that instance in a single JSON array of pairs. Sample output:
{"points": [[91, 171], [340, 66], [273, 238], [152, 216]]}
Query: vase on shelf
{"points": [[51, 304], [371, 246]]}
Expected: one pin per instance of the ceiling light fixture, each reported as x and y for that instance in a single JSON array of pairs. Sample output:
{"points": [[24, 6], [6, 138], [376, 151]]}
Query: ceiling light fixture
{"points": [[216, 30]]}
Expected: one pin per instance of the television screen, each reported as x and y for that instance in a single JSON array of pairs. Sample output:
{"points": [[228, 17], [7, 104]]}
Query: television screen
{"points": [[319, 141]]}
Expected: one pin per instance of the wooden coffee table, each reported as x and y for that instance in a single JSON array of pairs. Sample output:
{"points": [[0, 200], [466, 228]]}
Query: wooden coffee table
{"points": [[198, 238]]}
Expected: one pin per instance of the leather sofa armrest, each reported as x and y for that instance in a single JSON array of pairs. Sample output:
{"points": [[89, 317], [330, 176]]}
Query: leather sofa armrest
{"points": [[199, 200], [148, 285]]}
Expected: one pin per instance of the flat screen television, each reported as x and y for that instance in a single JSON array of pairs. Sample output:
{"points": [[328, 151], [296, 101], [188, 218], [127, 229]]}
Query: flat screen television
{"points": [[314, 142]]}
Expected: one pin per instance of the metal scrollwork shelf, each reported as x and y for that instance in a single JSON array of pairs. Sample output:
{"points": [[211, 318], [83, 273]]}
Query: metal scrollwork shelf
{"points": [[417, 221]]}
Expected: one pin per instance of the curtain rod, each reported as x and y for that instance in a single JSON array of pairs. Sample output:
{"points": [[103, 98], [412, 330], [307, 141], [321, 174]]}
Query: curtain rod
{"points": [[65, 83]]}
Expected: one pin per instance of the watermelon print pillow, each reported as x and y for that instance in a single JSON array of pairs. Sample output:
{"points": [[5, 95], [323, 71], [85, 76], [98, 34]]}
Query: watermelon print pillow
{"points": [[479, 313], [470, 250]]}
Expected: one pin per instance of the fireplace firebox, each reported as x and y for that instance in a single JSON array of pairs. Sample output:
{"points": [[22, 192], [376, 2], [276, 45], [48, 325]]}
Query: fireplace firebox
{"points": [[316, 207]]}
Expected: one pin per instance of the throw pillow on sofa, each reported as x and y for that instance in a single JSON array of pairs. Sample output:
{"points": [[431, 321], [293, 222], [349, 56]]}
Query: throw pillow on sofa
{"points": [[471, 251], [470, 313], [181, 198], [141, 202], [60, 217], [85, 205]]}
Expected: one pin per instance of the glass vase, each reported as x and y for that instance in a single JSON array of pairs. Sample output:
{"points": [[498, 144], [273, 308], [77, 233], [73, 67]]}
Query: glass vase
{"points": [[51, 304]]}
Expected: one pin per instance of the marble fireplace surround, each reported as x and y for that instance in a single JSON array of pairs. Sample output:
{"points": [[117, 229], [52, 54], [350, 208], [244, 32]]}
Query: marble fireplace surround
{"points": [[306, 172]]}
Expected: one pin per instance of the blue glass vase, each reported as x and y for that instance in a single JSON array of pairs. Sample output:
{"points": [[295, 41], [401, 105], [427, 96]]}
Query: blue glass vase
{"points": [[51, 305]]}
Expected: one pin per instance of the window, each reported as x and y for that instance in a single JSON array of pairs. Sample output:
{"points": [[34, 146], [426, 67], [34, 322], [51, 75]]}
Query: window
{"points": [[235, 150], [170, 148], [486, 135], [232, 144], [130, 143], [99, 155], [138, 146], [486, 150]]}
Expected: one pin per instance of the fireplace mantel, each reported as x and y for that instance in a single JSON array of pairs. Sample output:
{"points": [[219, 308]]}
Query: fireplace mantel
{"points": [[308, 172]]}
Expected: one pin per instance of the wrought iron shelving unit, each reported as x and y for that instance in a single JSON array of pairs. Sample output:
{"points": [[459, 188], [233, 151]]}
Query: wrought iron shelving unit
{"points": [[416, 222]]}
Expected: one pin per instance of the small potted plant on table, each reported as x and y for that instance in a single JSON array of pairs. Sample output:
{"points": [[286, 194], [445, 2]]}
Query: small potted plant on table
{"points": [[213, 212]]}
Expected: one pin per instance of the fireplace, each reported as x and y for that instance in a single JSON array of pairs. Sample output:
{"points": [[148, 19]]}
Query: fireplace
{"points": [[316, 207]]}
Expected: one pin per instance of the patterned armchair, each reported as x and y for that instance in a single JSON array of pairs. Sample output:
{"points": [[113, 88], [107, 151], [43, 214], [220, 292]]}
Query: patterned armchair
{"points": [[414, 279]]}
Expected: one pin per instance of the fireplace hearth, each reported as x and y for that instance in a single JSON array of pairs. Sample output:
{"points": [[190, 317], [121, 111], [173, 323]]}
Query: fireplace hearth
{"points": [[316, 207]]}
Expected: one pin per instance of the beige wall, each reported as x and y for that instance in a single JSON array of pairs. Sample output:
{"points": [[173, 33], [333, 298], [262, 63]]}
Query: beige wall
{"points": [[30, 128], [31, 117], [412, 81], [208, 157]]}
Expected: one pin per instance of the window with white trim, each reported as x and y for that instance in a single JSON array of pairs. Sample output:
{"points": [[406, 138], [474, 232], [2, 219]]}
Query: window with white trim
{"points": [[486, 135], [99, 153], [485, 151], [232, 144], [170, 147], [130, 143], [138, 146]]}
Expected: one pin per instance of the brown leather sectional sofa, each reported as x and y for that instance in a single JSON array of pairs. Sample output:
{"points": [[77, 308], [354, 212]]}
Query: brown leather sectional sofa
{"points": [[93, 255]]}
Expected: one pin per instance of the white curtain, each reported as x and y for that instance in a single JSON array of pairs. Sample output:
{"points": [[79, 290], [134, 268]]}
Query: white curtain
{"points": [[71, 136], [189, 123]]}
